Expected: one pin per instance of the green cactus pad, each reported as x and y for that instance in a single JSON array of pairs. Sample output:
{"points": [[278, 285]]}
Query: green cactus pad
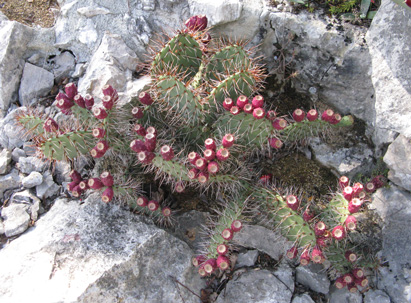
{"points": [[32, 123], [182, 54], [336, 211], [172, 168]]}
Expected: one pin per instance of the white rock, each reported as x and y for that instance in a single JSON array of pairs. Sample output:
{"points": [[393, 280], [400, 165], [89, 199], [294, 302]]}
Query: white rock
{"points": [[10, 181], [47, 188], [16, 219], [17, 153], [36, 82], [5, 159], [63, 64], [32, 180], [304, 298], [313, 276], [89, 34], [343, 295], [28, 164], [373, 296], [90, 11], [247, 259], [217, 11]]}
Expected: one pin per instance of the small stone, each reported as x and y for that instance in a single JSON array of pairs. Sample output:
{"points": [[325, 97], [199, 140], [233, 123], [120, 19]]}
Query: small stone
{"points": [[17, 153], [36, 82], [247, 259], [5, 159], [16, 219], [9, 181], [373, 296], [397, 160], [47, 188], [63, 65], [313, 276], [79, 70], [28, 164], [11, 132], [90, 11], [34, 179], [343, 296], [304, 298]]}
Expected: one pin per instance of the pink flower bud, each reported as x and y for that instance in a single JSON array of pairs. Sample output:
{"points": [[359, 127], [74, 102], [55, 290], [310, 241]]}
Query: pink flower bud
{"points": [[167, 152], [312, 115], [140, 130], [137, 112], [258, 113], [107, 179], [248, 108], [275, 143], [107, 195], [71, 90], [235, 110], [292, 253], [145, 98], [89, 101], [209, 154], [142, 201], [292, 202], [305, 258], [227, 234], [228, 103], [95, 183], [222, 249], [258, 101], [153, 205], [210, 144], [298, 115], [320, 228], [279, 124], [50, 125], [203, 177], [196, 23], [241, 101], [138, 146], [350, 223], [327, 115]]}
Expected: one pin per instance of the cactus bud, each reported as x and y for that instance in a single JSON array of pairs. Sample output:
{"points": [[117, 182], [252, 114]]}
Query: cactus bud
{"points": [[107, 195], [192, 157], [138, 146], [151, 130], [75, 176], [210, 265], [336, 118], [209, 154], [358, 273], [108, 90], [95, 153], [235, 110], [227, 234], [50, 125], [248, 108], [212, 167], [166, 211], [198, 260], [242, 101], [292, 253], [140, 130], [236, 226], [203, 177], [348, 278], [350, 223], [292, 202], [64, 103], [338, 233], [271, 115], [363, 282], [167, 152], [145, 157], [108, 102], [192, 173], [77, 191], [71, 185], [369, 187], [228, 141], [107, 179], [223, 262], [279, 124], [348, 193], [258, 101], [343, 182], [298, 115], [201, 271], [89, 101], [327, 115], [339, 283], [145, 98], [201, 164], [350, 256], [210, 144], [317, 255], [322, 241], [352, 288], [357, 189], [312, 115], [354, 205], [71, 90], [305, 258], [307, 215], [95, 183], [150, 141], [98, 133], [222, 249], [83, 185], [320, 228], [196, 23], [223, 154], [142, 201], [137, 112], [275, 143], [99, 113], [78, 99], [179, 187], [258, 113], [228, 103], [102, 146], [153, 205]]}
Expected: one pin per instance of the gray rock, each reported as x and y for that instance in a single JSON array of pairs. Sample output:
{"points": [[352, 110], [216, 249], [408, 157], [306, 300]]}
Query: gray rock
{"points": [[5, 159], [259, 286], [247, 259], [93, 252], [394, 207], [344, 296], [263, 239], [387, 40], [397, 286], [189, 227], [1, 227], [10, 181], [345, 161], [397, 160], [304, 298], [63, 65], [28, 164], [47, 188], [36, 82], [62, 171], [17, 153], [11, 135], [373, 296], [34, 179], [313, 276], [90, 11], [79, 70], [224, 12]]}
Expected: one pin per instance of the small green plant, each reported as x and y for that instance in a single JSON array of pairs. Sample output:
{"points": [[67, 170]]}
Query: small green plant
{"points": [[199, 126]]}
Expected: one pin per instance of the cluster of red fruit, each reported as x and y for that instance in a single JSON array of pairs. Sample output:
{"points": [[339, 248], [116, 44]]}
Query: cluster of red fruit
{"points": [[153, 206]]}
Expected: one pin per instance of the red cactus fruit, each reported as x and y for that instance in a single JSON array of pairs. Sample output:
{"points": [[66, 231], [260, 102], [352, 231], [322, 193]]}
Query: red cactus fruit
{"points": [[228, 140], [196, 23], [265, 179], [83, 185], [108, 102], [350, 256], [138, 146], [248, 108], [227, 234], [305, 258], [317, 255], [348, 278], [50, 125], [193, 173], [95, 183], [358, 273], [350, 223], [63, 96], [258, 101], [292, 253], [339, 283], [210, 144], [343, 181], [327, 115], [223, 154], [235, 110], [153, 205], [145, 98], [363, 282], [354, 205], [78, 99], [89, 101], [151, 130], [312, 115], [209, 266], [369, 187], [379, 181], [64, 103], [77, 191], [348, 193], [107, 179], [99, 113], [308, 215], [102, 146], [242, 101], [298, 115], [201, 164], [150, 141], [95, 153], [258, 113], [145, 156], [201, 271], [357, 189], [336, 118], [338, 233], [228, 103], [352, 288], [140, 130], [223, 262], [209, 154], [236, 226], [279, 124], [408, 3], [292, 202], [222, 249], [192, 157], [322, 241], [71, 185], [167, 152], [108, 90], [75, 176], [213, 167], [98, 133], [203, 177], [198, 260], [179, 187], [67, 112], [71, 90], [137, 112], [275, 143], [107, 195], [320, 228], [142, 201], [166, 211], [271, 115]]}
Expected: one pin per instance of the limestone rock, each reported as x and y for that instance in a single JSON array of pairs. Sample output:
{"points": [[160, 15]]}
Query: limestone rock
{"points": [[304, 298], [313, 276], [63, 65], [247, 259], [10, 181], [5, 159], [344, 296], [48, 188], [17, 153], [396, 284], [28, 164], [379, 296], [224, 11], [36, 82], [11, 135], [33, 179]]}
